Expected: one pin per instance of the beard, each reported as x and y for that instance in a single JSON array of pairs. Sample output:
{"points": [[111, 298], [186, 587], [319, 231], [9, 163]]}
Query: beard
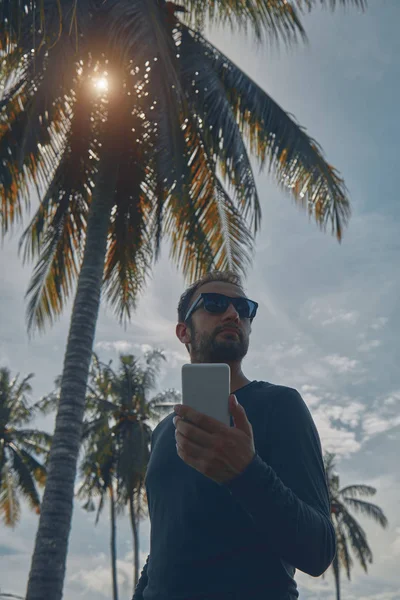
{"points": [[218, 348]]}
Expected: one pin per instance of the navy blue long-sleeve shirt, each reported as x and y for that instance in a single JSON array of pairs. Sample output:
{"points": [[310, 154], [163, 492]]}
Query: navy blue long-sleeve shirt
{"points": [[245, 538]]}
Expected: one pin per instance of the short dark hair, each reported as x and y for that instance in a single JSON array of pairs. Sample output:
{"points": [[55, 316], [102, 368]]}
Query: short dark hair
{"points": [[186, 298]]}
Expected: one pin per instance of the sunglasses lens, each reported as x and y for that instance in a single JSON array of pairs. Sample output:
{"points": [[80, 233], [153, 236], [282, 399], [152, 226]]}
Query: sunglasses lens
{"points": [[216, 303], [242, 306]]}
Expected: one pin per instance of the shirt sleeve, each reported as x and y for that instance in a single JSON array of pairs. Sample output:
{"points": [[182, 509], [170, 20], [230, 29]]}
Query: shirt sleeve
{"points": [[288, 498], [142, 583]]}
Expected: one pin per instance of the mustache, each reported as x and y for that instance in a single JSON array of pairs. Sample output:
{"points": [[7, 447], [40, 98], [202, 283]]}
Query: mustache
{"points": [[229, 329]]}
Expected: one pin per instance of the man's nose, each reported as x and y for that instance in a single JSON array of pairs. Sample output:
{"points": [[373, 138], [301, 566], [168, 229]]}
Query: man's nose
{"points": [[231, 312]]}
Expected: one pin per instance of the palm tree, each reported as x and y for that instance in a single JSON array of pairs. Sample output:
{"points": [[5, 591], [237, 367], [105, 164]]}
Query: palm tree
{"points": [[115, 403], [161, 151], [99, 480], [117, 438], [20, 471], [348, 530]]}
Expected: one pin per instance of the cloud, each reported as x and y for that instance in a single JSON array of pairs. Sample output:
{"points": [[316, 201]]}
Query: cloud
{"points": [[392, 399], [342, 364], [350, 415], [369, 345], [395, 545], [379, 323], [93, 574], [374, 424], [8, 551], [318, 309], [119, 346]]}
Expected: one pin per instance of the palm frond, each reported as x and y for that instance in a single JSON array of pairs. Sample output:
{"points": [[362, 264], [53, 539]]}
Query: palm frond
{"points": [[14, 397], [310, 4], [129, 254], [132, 458], [140, 28], [358, 490], [9, 503], [26, 470], [55, 272], [342, 548], [275, 137], [368, 509], [56, 232], [273, 20], [36, 121], [33, 440], [48, 404], [357, 538], [210, 106], [96, 426], [205, 233], [153, 361], [161, 405], [278, 20]]}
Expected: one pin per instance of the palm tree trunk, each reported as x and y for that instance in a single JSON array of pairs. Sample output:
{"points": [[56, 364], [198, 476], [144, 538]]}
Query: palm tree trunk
{"points": [[113, 544], [48, 565], [135, 542], [335, 565]]}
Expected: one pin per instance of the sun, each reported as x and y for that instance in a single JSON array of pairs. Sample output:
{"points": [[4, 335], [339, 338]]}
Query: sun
{"points": [[101, 84]]}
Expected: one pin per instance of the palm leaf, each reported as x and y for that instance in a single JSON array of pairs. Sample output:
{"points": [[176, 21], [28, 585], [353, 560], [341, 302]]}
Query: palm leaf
{"points": [[210, 106], [342, 548], [9, 503], [56, 231], [310, 4], [368, 509], [276, 19], [276, 137], [358, 539], [206, 231], [153, 361], [36, 118], [129, 256], [33, 440], [16, 400], [358, 490], [132, 456], [47, 404], [136, 27], [26, 468]]}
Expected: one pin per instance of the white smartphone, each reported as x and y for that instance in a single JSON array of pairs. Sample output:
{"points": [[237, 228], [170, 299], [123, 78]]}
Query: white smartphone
{"points": [[206, 388]]}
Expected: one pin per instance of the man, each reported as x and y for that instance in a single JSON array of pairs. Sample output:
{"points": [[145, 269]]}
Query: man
{"points": [[234, 510]]}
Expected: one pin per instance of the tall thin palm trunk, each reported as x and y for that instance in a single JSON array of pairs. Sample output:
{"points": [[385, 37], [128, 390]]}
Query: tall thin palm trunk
{"points": [[48, 565], [135, 533], [336, 574], [113, 543]]}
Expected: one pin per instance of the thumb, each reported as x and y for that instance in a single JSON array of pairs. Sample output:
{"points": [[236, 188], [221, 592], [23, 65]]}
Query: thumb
{"points": [[239, 415]]}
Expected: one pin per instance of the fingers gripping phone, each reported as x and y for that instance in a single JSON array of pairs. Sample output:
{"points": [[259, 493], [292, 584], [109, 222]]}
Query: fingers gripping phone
{"points": [[206, 388]]}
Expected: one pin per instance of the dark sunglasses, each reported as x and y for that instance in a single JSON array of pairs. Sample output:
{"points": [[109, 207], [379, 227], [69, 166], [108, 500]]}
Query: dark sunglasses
{"points": [[218, 303]]}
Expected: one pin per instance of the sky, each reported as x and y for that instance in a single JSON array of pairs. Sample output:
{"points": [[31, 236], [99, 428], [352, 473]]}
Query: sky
{"points": [[328, 318]]}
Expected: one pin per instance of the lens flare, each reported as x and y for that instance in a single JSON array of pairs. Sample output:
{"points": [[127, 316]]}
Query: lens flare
{"points": [[101, 84]]}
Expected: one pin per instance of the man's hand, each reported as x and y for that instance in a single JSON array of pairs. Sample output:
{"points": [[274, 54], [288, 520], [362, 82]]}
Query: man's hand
{"points": [[214, 449]]}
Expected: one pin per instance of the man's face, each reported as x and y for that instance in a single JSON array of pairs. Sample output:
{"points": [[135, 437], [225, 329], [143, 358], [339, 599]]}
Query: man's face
{"points": [[208, 343]]}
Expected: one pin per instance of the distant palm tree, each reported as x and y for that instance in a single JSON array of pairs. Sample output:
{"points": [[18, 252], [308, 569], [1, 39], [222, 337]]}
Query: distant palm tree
{"points": [[162, 151], [98, 469], [98, 481], [20, 471], [348, 530], [117, 437]]}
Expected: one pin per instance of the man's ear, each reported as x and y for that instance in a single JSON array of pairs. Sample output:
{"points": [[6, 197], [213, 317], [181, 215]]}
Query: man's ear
{"points": [[181, 332]]}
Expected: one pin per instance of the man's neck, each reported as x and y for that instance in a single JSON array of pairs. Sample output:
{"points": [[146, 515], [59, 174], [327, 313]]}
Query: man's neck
{"points": [[238, 380]]}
